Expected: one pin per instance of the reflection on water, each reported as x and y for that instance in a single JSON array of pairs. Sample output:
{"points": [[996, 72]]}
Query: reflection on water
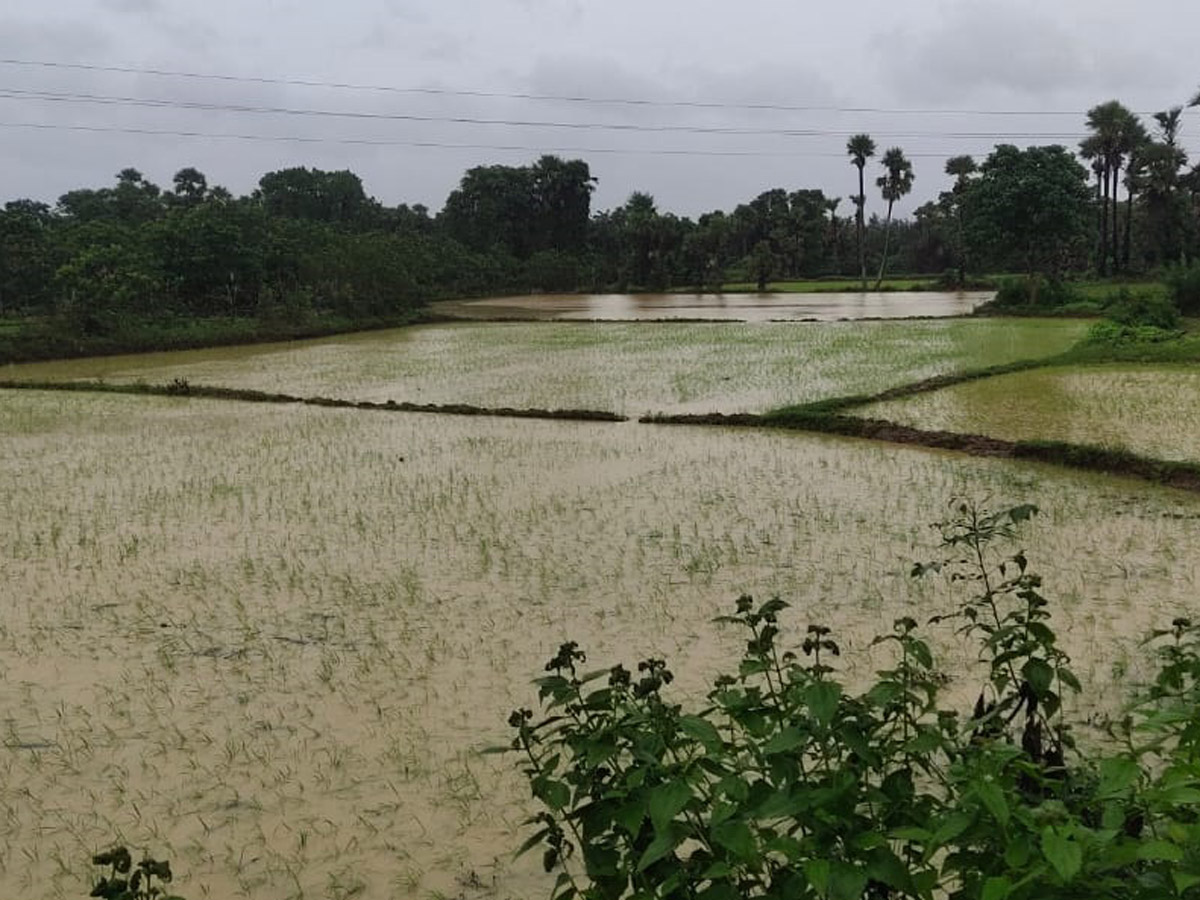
{"points": [[737, 307]]}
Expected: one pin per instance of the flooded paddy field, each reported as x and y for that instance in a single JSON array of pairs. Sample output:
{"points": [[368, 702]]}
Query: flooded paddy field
{"points": [[1151, 410], [756, 307], [267, 642], [626, 368]]}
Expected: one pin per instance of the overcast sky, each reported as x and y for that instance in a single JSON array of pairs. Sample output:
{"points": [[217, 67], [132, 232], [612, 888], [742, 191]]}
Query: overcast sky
{"points": [[957, 57]]}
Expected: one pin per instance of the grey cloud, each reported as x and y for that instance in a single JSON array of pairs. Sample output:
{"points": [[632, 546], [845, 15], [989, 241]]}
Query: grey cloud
{"points": [[53, 39], [132, 7], [980, 53], [983, 47]]}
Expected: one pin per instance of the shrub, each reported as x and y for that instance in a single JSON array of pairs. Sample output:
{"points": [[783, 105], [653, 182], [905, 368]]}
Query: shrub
{"points": [[1126, 308], [1184, 283], [787, 784], [1035, 291]]}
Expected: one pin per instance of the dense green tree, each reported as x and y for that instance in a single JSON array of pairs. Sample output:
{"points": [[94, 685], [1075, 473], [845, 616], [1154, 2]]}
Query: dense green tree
{"points": [[301, 193], [210, 255], [895, 182], [29, 255], [861, 148], [960, 168], [562, 203], [1029, 210], [522, 209], [493, 206]]}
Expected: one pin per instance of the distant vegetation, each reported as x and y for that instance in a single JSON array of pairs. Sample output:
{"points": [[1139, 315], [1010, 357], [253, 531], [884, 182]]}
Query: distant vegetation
{"points": [[310, 251]]}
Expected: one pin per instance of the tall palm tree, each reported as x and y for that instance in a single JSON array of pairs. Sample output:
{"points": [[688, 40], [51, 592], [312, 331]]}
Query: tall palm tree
{"points": [[1111, 126], [835, 231], [1091, 151], [894, 183], [861, 148], [1135, 139], [961, 168]]}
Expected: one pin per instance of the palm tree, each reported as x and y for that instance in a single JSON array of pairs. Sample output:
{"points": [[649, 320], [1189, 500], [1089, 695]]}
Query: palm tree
{"points": [[894, 183], [835, 231], [861, 148], [1111, 138], [1092, 152], [1135, 138], [961, 168]]}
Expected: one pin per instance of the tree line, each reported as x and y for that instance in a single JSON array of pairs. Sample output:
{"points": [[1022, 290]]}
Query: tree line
{"points": [[308, 241]]}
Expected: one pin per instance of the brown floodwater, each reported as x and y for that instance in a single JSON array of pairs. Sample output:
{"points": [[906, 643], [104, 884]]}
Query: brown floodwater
{"points": [[825, 307]]}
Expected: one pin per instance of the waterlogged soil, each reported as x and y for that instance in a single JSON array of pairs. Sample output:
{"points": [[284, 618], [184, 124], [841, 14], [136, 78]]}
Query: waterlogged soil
{"points": [[269, 642], [1151, 410], [764, 307], [626, 368]]}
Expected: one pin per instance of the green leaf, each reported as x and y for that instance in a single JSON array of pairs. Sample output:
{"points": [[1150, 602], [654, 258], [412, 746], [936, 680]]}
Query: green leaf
{"points": [[846, 882], [822, 699], [1039, 675], [1184, 880], [992, 798], [630, 816], [788, 739], [530, 843], [554, 794], [952, 826], [1117, 775], [817, 871], [719, 869], [702, 731], [1160, 851], [884, 866], [665, 842], [996, 889], [920, 652], [737, 838], [1063, 854], [666, 801]]}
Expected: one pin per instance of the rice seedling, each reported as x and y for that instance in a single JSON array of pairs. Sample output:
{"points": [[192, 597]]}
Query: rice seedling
{"points": [[285, 685], [625, 368], [1151, 410]]}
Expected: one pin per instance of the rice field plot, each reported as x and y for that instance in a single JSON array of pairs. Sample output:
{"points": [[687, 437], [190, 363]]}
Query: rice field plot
{"points": [[268, 642], [1151, 410], [626, 368]]}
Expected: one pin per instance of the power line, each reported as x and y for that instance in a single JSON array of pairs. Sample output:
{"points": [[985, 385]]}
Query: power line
{"points": [[441, 145], [501, 95], [160, 103]]}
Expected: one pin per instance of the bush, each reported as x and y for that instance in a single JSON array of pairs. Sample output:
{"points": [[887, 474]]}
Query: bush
{"points": [[1116, 334], [1035, 291], [1130, 309], [787, 784], [1184, 283]]}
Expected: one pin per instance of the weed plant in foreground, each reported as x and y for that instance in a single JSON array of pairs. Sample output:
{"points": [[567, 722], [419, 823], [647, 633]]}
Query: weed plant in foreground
{"points": [[788, 783]]}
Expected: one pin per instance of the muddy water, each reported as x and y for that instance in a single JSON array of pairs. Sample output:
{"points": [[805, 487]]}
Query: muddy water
{"points": [[627, 368], [825, 307], [1152, 410], [268, 642]]}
